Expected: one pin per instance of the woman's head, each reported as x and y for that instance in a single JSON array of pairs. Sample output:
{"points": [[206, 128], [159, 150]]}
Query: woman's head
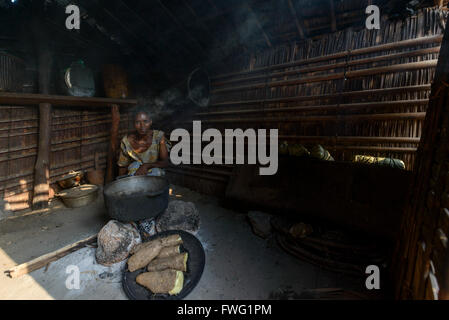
{"points": [[142, 122]]}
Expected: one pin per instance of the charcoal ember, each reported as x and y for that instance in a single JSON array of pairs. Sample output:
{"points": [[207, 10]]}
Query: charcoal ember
{"points": [[115, 241], [300, 230], [179, 215], [260, 223]]}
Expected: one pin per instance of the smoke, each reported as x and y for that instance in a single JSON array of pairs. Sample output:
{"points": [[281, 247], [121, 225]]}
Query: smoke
{"points": [[197, 95], [185, 96], [163, 105], [240, 30]]}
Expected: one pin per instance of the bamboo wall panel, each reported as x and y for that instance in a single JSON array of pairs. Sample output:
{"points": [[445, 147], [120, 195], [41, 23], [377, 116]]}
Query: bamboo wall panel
{"points": [[76, 136], [352, 83]]}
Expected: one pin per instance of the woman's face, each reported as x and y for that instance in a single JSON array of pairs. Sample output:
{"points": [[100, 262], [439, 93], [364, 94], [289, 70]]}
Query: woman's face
{"points": [[142, 123]]}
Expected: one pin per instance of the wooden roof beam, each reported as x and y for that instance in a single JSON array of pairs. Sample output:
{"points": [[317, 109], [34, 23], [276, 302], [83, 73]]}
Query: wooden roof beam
{"points": [[170, 14], [267, 39], [220, 13], [9, 98], [333, 18], [123, 26], [298, 25], [223, 50], [143, 58], [147, 27]]}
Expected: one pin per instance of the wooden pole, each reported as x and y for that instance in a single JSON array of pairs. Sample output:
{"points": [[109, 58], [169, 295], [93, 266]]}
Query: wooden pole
{"points": [[421, 215], [113, 146], [21, 99], [44, 260], [333, 118], [373, 92], [336, 76], [407, 54], [322, 108], [444, 290], [342, 54], [41, 192]]}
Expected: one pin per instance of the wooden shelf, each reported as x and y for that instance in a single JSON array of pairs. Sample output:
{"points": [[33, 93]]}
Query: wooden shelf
{"points": [[36, 99]]}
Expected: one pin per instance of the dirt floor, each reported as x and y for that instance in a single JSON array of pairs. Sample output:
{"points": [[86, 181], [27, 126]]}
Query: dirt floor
{"points": [[239, 265]]}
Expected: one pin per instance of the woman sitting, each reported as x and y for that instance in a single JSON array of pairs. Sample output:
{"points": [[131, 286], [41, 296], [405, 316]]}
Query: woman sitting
{"points": [[144, 152]]}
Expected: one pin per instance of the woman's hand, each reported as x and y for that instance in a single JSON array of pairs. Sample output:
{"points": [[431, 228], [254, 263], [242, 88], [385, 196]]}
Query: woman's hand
{"points": [[143, 169]]}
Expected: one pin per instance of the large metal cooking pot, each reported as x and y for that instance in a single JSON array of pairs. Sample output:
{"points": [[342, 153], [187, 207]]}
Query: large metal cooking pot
{"points": [[136, 198]]}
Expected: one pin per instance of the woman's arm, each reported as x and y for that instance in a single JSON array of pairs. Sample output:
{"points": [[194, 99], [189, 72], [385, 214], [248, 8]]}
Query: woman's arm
{"points": [[123, 159], [163, 154], [163, 161]]}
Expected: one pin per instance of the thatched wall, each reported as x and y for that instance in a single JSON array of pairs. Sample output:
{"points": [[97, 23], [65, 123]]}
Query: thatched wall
{"points": [[363, 92], [354, 92], [76, 137]]}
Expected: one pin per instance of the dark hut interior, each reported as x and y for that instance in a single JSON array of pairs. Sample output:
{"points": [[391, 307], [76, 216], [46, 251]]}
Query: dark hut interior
{"points": [[355, 114]]}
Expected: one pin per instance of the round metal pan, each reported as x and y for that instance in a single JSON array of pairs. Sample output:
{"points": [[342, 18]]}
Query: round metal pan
{"points": [[195, 267]]}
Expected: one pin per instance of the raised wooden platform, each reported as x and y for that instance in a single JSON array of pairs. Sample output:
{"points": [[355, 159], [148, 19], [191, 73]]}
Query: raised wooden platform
{"points": [[7, 98]]}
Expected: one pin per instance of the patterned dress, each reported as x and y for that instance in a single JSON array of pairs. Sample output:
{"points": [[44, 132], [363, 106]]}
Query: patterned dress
{"points": [[133, 160]]}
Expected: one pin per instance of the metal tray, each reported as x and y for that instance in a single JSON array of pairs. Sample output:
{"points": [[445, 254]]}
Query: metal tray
{"points": [[195, 267]]}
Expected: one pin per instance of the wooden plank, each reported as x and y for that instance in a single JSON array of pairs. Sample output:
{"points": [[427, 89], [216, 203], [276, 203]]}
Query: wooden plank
{"points": [[45, 259], [366, 93], [349, 117], [8, 98], [321, 108]]}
